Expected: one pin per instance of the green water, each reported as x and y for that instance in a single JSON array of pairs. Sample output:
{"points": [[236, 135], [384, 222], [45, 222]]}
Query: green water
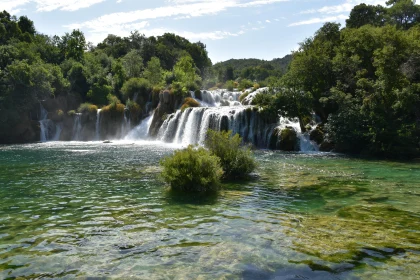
{"points": [[81, 210]]}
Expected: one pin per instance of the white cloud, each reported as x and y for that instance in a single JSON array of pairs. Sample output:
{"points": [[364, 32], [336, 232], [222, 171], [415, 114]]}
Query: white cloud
{"points": [[177, 9], [48, 5], [191, 10], [12, 5], [347, 6], [320, 20]]}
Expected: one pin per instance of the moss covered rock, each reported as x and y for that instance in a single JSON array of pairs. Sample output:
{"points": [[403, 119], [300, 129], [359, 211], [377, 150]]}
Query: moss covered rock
{"points": [[288, 139], [317, 135]]}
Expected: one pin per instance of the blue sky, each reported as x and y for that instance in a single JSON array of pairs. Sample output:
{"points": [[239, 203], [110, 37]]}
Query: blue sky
{"points": [[264, 29]]}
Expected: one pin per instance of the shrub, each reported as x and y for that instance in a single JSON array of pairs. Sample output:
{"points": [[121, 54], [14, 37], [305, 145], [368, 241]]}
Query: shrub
{"points": [[192, 170], [244, 95], [136, 87], [112, 99], [230, 85], [86, 108], [71, 113], [98, 93], [236, 161], [189, 102], [134, 109], [178, 89], [245, 83]]}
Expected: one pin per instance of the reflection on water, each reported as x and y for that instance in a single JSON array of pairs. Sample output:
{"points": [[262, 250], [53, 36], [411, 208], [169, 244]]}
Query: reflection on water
{"points": [[99, 210]]}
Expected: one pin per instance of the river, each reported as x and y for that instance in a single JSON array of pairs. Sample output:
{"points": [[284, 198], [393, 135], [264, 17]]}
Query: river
{"points": [[89, 209]]}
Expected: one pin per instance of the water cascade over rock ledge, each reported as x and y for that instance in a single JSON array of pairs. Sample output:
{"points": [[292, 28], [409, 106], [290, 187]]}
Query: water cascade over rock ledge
{"points": [[219, 110]]}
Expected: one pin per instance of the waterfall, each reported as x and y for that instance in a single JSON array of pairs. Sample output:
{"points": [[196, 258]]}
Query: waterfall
{"points": [[49, 130], [126, 124], [77, 127], [98, 125], [191, 125], [216, 98], [141, 131], [306, 145]]}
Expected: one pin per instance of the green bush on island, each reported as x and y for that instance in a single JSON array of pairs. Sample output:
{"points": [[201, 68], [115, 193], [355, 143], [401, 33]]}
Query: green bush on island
{"points": [[193, 170], [237, 161]]}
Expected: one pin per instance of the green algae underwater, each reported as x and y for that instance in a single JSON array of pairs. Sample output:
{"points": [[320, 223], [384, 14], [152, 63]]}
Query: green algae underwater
{"points": [[83, 210]]}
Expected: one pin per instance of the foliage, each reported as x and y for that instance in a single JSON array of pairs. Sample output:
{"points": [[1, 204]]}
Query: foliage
{"points": [[245, 84], [134, 109], [137, 89], [186, 74], [252, 69], [362, 80], [153, 72], [189, 102], [98, 93], [87, 108], [236, 161], [244, 95], [230, 85], [133, 64], [192, 170]]}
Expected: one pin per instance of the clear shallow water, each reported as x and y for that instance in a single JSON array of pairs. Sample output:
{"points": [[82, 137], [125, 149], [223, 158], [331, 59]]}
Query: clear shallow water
{"points": [[80, 210]]}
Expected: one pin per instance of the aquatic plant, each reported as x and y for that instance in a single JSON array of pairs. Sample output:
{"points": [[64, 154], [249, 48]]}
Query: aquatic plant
{"points": [[192, 170]]}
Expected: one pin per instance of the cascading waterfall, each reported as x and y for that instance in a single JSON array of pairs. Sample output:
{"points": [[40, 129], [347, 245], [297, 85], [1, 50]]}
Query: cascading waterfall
{"points": [[221, 111], [77, 127], [306, 145], [126, 124], [141, 131], [216, 98], [98, 125], [191, 125], [49, 130]]}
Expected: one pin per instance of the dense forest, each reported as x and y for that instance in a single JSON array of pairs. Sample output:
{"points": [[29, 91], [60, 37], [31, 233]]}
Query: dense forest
{"points": [[362, 81], [255, 70]]}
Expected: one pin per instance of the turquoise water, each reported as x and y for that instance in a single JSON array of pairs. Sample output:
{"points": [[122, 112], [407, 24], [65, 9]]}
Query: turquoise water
{"points": [[81, 210]]}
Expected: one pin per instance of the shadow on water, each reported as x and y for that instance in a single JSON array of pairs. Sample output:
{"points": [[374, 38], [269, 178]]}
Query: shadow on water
{"points": [[309, 271], [197, 198]]}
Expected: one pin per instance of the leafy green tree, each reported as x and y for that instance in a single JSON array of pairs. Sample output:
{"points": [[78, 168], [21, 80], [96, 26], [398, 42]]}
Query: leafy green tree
{"points": [[153, 72], [363, 14], [73, 45], [26, 25], [137, 89], [133, 64], [403, 13], [185, 72], [98, 94]]}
